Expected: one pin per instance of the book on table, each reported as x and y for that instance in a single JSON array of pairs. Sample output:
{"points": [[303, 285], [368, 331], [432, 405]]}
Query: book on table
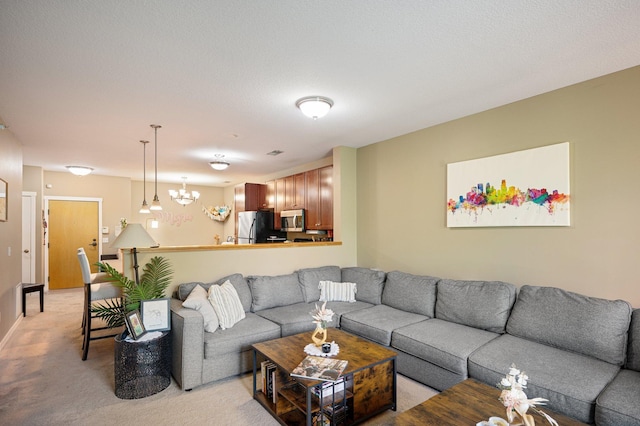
{"points": [[320, 368]]}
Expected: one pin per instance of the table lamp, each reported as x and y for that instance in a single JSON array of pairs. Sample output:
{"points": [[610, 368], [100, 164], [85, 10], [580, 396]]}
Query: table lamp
{"points": [[134, 235]]}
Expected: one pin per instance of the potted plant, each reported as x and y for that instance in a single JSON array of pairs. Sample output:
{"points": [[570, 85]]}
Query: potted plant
{"points": [[156, 276]]}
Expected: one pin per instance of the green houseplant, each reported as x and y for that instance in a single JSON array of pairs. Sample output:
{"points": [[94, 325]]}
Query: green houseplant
{"points": [[156, 276]]}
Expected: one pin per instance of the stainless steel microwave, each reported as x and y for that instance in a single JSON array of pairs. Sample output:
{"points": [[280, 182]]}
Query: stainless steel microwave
{"points": [[292, 220]]}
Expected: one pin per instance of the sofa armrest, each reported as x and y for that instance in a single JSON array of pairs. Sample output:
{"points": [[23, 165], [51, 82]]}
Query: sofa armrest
{"points": [[187, 345]]}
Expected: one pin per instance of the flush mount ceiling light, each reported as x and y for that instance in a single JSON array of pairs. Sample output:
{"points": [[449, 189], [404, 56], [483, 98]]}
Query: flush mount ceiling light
{"points": [[314, 106], [155, 204], [218, 163], [182, 196], [145, 207], [79, 170]]}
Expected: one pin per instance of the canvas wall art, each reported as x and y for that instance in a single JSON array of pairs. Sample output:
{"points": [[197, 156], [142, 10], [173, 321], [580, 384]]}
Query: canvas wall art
{"points": [[524, 188]]}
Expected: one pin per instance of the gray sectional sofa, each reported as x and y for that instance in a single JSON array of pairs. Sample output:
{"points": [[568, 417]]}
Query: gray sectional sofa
{"points": [[581, 353]]}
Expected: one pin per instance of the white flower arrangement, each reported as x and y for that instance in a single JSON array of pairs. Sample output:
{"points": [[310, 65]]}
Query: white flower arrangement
{"points": [[218, 213], [322, 315], [516, 401]]}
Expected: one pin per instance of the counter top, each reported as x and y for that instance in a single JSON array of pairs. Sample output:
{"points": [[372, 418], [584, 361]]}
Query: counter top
{"points": [[237, 246]]}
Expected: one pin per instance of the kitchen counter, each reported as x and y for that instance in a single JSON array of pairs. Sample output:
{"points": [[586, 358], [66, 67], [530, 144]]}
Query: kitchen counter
{"points": [[238, 246]]}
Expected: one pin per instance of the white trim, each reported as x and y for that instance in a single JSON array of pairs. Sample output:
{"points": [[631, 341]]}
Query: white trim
{"points": [[46, 238], [13, 328], [34, 229]]}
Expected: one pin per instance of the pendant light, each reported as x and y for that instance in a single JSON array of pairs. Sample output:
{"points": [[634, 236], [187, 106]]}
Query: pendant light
{"points": [[145, 207], [155, 204]]}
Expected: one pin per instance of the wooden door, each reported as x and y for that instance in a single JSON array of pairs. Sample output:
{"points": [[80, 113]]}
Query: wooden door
{"points": [[326, 197], [312, 216], [299, 191], [72, 224]]}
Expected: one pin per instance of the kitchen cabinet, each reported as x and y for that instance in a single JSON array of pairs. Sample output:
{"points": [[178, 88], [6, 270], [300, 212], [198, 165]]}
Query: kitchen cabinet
{"points": [[294, 192], [319, 198]]}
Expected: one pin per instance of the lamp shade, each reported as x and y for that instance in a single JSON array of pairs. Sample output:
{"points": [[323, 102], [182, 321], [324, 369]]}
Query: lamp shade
{"points": [[134, 235]]}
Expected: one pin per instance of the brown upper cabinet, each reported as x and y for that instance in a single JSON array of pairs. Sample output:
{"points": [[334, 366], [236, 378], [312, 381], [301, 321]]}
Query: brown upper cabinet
{"points": [[250, 197], [319, 198]]}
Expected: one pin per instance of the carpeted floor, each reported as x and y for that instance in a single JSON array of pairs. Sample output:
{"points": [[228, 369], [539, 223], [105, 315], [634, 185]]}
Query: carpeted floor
{"points": [[43, 381]]}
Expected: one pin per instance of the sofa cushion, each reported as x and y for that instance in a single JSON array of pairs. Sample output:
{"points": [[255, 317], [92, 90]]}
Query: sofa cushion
{"points": [[570, 381], [633, 353], [480, 304], [410, 293], [442, 343], [273, 291], [293, 319], [311, 277], [618, 404], [562, 319], [377, 322], [370, 283], [238, 281], [226, 303], [198, 299], [331, 291], [240, 337]]}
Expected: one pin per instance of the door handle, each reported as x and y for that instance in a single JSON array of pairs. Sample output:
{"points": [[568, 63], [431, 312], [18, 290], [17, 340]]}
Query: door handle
{"points": [[26, 250], [94, 243]]}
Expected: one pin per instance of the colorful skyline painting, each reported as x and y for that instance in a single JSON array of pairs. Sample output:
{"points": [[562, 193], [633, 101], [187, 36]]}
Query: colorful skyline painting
{"points": [[532, 189]]}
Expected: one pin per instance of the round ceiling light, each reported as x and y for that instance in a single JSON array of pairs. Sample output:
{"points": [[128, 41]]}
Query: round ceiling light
{"points": [[218, 163], [79, 170], [314, 106]]}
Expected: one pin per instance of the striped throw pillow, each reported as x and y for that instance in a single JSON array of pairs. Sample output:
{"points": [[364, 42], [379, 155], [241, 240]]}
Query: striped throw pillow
{"points": [[337, 292], [226, 302]]}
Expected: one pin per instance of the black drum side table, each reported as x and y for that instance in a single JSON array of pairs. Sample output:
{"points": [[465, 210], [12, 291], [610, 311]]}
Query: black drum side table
{"points": [[142, 368]]}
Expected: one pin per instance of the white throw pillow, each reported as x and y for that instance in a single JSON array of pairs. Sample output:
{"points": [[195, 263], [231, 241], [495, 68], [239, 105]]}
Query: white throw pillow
{"points": [[199, 301], [337, 292], [226, 303]]}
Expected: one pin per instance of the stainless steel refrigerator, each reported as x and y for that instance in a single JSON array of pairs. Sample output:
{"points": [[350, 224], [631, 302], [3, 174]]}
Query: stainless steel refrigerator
{"points": [[255, 227]]}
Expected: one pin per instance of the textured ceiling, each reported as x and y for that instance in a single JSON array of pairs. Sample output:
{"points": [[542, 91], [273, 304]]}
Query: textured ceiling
{"points": [[81, 81]]}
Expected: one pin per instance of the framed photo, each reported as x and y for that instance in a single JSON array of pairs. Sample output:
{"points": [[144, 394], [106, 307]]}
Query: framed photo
{"points": [[135, 325], [156, 314]]}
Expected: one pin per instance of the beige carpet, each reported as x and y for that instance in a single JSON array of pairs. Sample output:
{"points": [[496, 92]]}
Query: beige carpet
{"points": [[43, 381]]}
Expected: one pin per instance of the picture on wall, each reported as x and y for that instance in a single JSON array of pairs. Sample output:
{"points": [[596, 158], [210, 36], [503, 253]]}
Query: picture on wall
{"points": [[524, 188]]}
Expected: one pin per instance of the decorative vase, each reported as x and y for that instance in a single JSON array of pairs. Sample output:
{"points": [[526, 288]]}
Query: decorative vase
{"points": [[319, 335]]}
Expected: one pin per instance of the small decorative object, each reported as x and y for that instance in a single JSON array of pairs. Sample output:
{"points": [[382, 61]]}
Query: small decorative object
{"points": [[217, 213], [517, 402], [321, 316], [123, 223], [135, 325], [312, 349], [326, 348]]}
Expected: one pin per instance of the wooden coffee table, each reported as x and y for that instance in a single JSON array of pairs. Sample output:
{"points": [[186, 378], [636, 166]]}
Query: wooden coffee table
{"points": [[467, 403], [369, 389]]}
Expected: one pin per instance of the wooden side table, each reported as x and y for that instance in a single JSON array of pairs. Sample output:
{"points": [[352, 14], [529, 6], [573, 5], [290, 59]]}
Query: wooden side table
{"points": [[31, 288]]}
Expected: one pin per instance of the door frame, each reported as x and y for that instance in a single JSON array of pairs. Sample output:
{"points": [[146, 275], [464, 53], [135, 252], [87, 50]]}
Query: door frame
{"points": [[32, 224], [46, 236]]}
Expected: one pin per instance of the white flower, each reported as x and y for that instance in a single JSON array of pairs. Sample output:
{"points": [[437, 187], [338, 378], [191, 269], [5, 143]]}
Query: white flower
{"points": [[322, 315]]}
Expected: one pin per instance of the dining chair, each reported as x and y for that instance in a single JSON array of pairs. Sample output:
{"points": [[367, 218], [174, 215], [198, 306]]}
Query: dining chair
{"points": [[96, 288]]}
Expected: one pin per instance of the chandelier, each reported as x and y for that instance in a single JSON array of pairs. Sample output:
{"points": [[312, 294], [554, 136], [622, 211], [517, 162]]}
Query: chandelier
{"points": [[182, 196]]}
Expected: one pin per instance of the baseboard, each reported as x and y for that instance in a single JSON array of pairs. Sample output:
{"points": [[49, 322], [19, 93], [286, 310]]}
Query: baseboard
{"points": [[13, 328]]}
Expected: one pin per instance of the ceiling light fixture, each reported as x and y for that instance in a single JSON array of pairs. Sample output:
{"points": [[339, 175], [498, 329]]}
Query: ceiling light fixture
{"points": [[182, 196], [218, 163], [79, 170], [155, 204], [145, 207], [314, 106]]}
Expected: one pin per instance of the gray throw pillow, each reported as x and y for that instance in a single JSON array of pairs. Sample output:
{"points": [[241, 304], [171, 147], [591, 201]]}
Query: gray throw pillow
{"points": [[370, 283], [310, 279]]}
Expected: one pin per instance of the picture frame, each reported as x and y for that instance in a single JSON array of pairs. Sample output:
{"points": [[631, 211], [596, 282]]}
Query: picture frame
{"points": [[4, 198], [156, 314], [135, 326]]}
